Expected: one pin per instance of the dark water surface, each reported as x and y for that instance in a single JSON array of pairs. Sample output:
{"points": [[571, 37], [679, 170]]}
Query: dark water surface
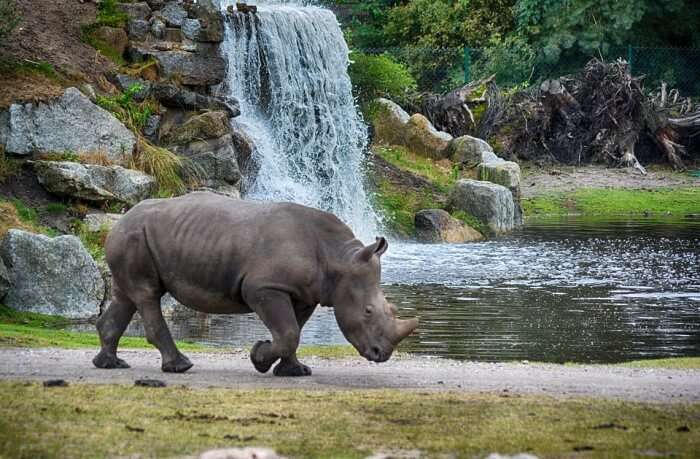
{"points": [[573, 289]]}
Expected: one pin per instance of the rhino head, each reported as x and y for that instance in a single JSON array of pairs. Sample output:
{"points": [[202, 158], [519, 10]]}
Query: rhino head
{"points": [[364, 316]]}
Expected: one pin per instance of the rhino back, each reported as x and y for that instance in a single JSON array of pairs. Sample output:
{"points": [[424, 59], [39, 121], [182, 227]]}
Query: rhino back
{"points": [[208, 249]]}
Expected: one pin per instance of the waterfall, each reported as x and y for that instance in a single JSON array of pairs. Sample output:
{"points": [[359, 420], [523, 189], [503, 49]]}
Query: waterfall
{"points": [[287, 66]]}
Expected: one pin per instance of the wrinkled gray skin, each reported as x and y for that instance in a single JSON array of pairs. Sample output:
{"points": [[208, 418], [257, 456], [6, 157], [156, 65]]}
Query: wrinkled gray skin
{"points": [[225, 256]]}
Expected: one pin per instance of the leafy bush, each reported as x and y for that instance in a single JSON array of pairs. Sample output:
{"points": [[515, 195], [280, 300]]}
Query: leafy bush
{"points": [[379, 76], [511, 59], [9, 18], [133, 114]]}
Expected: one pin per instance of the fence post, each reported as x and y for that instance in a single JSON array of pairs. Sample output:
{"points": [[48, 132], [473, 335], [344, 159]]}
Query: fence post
{"points": [[467, 65], [630, 57]]}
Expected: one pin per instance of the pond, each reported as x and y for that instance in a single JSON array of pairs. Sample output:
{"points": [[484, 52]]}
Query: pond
{"points": [[559, 290]]}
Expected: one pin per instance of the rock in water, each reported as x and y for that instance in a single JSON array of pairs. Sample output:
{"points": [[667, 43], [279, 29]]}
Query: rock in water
{"points": [[389, 122], [436, 225], [506, 173], [490, 203], [51, 276], [70, 123], [423, 139], [95, 183]]}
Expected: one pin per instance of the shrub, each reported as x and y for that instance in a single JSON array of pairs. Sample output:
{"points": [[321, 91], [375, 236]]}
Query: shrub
{"points": [[379, 76], [511, 59], [162, 164], [130, 112]]}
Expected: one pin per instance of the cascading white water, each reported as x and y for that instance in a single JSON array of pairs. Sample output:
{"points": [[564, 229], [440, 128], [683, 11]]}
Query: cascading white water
{"points": [[287, 66]]}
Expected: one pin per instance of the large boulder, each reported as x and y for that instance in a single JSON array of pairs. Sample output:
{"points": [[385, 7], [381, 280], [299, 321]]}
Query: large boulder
{"points": [[436, 225], [51, 276], [208, 125], [70, 123], [96, 222], [191, 28], [95, 183], [115, 37], [506, 173], [471, 151], [178, 97], [423, 139], [191, 68], [492, 204], [173, 13], [215, 162], [389, 122], [136, 10], [211, 21], [4, 280]]}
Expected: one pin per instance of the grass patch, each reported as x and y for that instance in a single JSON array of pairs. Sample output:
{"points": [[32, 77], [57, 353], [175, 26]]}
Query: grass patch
{"points": [[675, 363], [399, 206], [339, 351], [17, 67], [441, 174], [81, 421], [16, 214], [94, 241], [597, 201], [9, 167], [110, 52]]}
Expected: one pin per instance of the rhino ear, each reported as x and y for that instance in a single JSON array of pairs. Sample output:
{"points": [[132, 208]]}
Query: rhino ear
{"points": [[378, 248]]}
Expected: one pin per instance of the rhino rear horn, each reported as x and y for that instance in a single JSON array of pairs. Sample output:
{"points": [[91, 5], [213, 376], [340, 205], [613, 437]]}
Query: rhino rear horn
{"points": [[378, 249]]}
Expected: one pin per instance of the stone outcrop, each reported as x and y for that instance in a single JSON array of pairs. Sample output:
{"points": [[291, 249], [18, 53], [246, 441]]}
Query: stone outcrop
{"points": [[490, 203], [177, 97], [51, 275], [437, 225], [95, 183], [190, 68], [422, 138], [115, 37], [4, 280], [471, 151], [70, 123], [206, 140], [136, 10], [208, 125], [389, 122], [96, 222]]}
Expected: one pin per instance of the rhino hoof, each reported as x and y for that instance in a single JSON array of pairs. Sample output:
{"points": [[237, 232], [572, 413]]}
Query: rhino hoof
{"points": [[108, 361], [300, 369], [259, 365], [180, 365]]}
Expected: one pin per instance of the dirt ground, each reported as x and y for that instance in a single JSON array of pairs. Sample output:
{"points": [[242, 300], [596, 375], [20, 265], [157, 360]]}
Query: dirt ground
{"points": [[233, 369], [50, 31], [537, 181]]}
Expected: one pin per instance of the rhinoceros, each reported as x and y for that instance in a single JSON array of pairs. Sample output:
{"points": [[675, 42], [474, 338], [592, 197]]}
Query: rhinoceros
{"points": [[221, 255]]}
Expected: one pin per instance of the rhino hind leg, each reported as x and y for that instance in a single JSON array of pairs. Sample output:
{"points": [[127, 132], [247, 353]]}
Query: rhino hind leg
{"points": [[110, 326]]}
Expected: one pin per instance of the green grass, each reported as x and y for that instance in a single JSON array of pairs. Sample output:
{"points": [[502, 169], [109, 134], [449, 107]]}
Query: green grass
{"points": [[679, 201], [119, 421], [17, 214], [399, 207], [676, 363], [443, 176], [13, 66]]}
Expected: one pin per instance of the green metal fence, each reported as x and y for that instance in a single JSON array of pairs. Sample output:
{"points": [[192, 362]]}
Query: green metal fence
{"points": [[442, 69]]}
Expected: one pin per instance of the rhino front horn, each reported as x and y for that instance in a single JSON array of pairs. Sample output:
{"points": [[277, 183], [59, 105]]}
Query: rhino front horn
{"points": [[405, 328]]}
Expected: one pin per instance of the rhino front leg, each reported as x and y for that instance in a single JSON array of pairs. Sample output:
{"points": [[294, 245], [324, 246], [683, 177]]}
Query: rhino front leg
{"points": [[291, 366], [158, 334], [277, 313]]}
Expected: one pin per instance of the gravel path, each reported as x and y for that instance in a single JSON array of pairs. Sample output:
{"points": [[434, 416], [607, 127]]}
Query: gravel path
{"points": [[235, 370]]}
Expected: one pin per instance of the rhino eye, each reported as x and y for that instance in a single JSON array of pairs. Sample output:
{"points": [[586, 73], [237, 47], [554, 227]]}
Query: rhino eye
{"points": [[368, 310]]}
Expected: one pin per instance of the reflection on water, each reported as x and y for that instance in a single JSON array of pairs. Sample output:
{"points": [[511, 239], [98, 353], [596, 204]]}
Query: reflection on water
{"points": [[573, 289]]}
